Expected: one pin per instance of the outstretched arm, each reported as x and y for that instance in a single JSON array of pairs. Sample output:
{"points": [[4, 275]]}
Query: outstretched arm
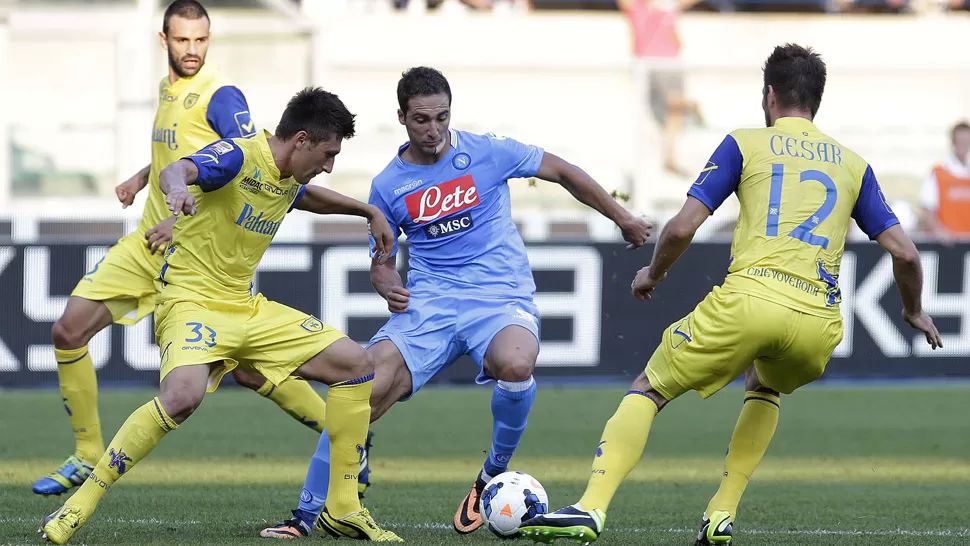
{"points": [[590, 193], [174, 181], [675, 238], [320, 200]]}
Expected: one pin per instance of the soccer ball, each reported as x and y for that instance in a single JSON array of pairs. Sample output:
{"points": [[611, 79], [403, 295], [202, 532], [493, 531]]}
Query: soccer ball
{"points": [[511, 499]]}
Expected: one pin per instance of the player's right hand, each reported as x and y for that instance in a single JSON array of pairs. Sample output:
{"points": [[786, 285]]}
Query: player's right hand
{"points": [[922, 322], [636, 232], [127, 190], [159, 236], [180, 200], [397, 299]]}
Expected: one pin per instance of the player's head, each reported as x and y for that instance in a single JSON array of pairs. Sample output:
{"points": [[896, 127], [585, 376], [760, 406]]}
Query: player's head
{"points": [[794, 82], [185, 36], [313, 126], [424, 97], [960, 136]]}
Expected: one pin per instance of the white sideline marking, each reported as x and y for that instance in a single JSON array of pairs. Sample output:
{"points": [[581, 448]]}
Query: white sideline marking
{"points": [[624, 530]]}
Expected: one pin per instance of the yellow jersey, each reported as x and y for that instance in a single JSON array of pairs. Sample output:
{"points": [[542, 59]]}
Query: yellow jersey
{"points": [[797, 188], [213, 254], [192, 112]]}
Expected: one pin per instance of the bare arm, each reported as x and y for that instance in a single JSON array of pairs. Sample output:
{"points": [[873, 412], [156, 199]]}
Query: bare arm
{"points": [[908, 273], [588, 192], [677, 235], [906, 267], [173, 181], [127, 190], [387, 281], [320, 200]]}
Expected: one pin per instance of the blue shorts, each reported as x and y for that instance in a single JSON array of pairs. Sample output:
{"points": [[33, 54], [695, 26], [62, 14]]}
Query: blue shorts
{"points": [[436, 330]]}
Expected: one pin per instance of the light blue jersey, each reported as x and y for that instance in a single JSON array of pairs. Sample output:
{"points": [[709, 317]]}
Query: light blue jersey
{"points": [[457, 216]]}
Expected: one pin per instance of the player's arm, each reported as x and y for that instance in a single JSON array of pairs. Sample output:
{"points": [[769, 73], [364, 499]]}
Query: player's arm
{"points": [[127, 190], [587, 191], [210, 168], [321, 200], [228, 114], [383, 269], [874, 217], [716, 182]]}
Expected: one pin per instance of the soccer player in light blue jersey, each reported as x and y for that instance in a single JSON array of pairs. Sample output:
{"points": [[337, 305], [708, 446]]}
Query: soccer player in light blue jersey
{"points": [[470, 288]]}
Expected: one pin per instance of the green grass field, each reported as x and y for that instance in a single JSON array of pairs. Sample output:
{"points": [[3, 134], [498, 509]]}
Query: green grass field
{"points": [[848, 466]]}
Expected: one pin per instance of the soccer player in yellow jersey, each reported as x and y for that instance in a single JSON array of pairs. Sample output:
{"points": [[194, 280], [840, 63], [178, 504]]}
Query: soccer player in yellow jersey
{"points": [[197, 105], [777, 313], [209, 322]]}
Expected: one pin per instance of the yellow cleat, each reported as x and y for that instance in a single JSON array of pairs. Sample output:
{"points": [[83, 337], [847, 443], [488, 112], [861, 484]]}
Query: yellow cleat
{"points": [[358, 525], [60, 526]]}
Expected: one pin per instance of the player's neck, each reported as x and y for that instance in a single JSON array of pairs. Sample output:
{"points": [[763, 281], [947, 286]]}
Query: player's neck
{"points": [[413, 155], [280, 151], [794, 113]]}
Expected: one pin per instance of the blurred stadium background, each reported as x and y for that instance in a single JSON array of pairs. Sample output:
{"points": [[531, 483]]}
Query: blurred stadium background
{"points": [[79, 96]]}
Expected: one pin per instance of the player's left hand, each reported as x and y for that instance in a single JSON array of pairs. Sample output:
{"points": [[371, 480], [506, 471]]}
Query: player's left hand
{"points": [[636, 232], [180, 200], [159, 236], [644, 284], [380, 230]]}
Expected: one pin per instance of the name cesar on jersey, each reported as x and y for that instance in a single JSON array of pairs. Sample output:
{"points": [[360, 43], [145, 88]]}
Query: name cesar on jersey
{"points": [[250, 220], [166, 136], [824, 152]]}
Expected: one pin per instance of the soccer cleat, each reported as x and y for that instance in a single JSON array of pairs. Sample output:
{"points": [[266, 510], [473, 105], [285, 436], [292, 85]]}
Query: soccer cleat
{"points": [[70, 474], [569, 523], [363, 476], [716, 530], [467, 518], [60, 526], [359, 525], [291, 528]]}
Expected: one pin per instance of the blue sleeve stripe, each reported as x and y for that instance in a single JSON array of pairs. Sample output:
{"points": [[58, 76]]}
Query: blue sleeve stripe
{"points": [[299, 195]]}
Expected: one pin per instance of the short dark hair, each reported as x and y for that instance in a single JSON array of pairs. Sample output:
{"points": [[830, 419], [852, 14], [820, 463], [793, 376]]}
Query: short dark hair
{"points": [[421, 81], [797, 74], [320, 113], [188, 9], [962, 126]]}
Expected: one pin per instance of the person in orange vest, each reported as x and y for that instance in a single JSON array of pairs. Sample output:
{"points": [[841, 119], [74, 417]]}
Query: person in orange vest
{"points": [[945, 193]]}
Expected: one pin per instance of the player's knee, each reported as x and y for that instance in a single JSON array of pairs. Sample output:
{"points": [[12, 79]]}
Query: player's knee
{"points": [[752, 382], [249, 379], [516, 367], [66, 334], [179, 404]]}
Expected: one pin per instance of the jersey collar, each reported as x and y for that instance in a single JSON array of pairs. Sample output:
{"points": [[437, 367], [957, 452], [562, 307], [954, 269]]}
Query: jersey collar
{"points": [[267, 154], [453, 145], [800, 124]]}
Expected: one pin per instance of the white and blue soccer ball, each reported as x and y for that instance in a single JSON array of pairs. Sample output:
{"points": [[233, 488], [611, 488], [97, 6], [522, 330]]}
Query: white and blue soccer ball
{"points": [[509, 500]]}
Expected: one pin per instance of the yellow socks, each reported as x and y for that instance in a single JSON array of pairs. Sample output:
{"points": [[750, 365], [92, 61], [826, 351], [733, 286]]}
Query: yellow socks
{"points": [[137, 437], [756, 425], [348, 420], [297, 398], [79, 389], [619, 449]]}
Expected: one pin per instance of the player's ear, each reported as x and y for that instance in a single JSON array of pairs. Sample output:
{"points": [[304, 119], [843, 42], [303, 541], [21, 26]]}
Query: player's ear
{"points": [[400, 116], [161, 38]]}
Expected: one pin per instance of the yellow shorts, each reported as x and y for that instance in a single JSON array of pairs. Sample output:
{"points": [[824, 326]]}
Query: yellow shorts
{"points": [[259, 334], [124, 280], [728, 332]]}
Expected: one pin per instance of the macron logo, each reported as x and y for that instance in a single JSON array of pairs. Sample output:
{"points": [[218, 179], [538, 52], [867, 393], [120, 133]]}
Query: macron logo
{"points": [[251, 221]]}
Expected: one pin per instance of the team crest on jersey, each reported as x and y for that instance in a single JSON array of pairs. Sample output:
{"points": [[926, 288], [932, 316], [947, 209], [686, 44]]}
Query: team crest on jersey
{"points": [[190, 100], [312, 325], [461, 161]]}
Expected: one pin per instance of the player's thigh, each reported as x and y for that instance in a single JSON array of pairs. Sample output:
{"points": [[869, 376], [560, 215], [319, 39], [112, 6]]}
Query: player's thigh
{"points": [[193, 334], [392, 379], [810, 343], [706, 350], [502, 336], [424, 336], [123, 280], [81, 320], [280, 340]]}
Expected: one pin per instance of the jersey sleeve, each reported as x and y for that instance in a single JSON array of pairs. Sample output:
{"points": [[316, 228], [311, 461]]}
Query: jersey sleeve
{"points": [[872, 212], [378, 201], [299, 195], [228, 113], [515, 159], [721, 176], [218, 164]]}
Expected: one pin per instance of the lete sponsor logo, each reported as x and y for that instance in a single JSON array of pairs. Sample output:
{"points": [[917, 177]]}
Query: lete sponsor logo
{"points": [[442, 200]]}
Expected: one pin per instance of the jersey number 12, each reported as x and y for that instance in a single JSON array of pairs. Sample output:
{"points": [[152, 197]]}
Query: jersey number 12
{"points": [[804, 230]]}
